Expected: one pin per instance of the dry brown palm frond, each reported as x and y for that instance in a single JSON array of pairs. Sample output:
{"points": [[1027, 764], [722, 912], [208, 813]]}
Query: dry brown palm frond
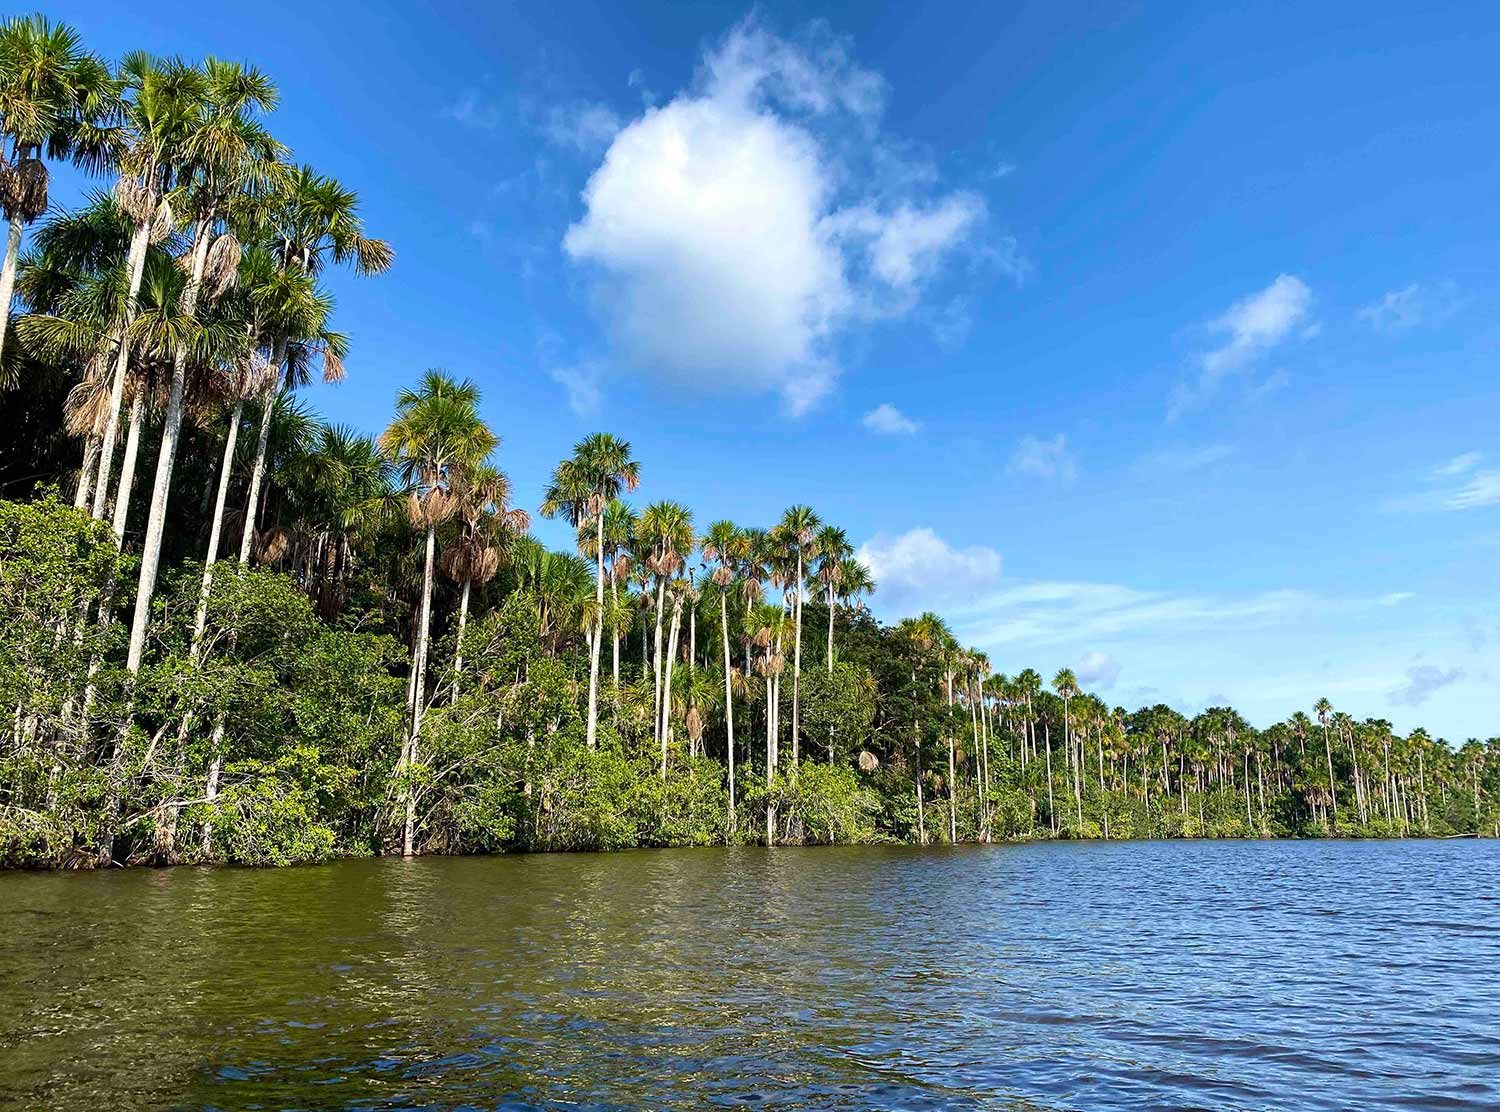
{"points": [[517, 521], [259, 375], [87, 405], [161, 221], [272, 544], [427, 510], [694, 725], [722, 577], [222, 265], [868, 762], [134, 198], [333, 366], [23, 189]]}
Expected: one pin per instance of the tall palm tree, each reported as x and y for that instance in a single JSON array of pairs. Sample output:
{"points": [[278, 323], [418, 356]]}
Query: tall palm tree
{"points": [[1323, 708], [310, 220], [227, 151], [619, 536], [797, 534], [437, 431], [599, 470], [835, 557], [665, 536], [1065, 683], [55, 98], [725, 546]]}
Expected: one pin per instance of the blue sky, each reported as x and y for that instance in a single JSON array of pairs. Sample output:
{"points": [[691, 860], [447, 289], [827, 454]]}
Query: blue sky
{"points": [[1157, 342]]}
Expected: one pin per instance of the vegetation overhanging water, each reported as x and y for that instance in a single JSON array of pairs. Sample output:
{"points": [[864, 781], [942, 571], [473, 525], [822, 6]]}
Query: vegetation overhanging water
{"points": [[298, 641]]}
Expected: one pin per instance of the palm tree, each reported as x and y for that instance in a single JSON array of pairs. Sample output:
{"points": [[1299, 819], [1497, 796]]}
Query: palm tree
{"points": [[835, 557], [310, 220], [488, 528], [665, 532], [1323, 708], [437, 431], [55, 97], [582, 486], [227, 151], [797, 534], [1065, 683], [619, 536], [725, 545]]}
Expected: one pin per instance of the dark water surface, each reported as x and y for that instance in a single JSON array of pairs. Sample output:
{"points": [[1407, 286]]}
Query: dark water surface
{"points": [[1142, 975]]}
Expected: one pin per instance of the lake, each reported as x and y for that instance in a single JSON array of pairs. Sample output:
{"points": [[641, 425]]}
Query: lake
{"points": [[1214, 975]]}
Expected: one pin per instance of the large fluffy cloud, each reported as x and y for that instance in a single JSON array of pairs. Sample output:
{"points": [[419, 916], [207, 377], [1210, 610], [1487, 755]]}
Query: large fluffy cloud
{"points": [[918, 568], [727, 246]]}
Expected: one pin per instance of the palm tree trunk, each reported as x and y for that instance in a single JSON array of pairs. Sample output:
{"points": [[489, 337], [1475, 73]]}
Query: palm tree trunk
{"points": [[8, 275], [797, 665], [598, 638], [771, 761], [614, 601], [458, 652], [137, 262], [215, 529], [86, 472], [952, 771], [419, 667], [666, 689], [120, 510], [167, 458], [728, 702], [1051, 805], [1332, 788], [661, 597], [258, 469]]}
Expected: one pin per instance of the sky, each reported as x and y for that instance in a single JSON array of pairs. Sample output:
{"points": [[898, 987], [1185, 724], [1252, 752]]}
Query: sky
{"points": [[1156, 341]]}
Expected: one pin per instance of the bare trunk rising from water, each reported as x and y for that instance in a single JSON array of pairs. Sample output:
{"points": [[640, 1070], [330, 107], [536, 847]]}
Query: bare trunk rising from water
{"points": [[419, 687], [728, 702], [598, 638]]}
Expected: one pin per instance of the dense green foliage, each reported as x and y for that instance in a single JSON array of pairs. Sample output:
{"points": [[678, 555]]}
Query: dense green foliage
{"points": [[385, 660]]}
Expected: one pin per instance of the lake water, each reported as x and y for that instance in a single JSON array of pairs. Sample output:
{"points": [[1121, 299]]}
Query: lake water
{"points": [[1230, 975]]}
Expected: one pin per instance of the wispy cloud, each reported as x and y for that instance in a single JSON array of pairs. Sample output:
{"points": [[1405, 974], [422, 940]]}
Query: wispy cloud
{"points": [[1396, 598], [1250, 328], [473, 108], [584, 127], [1187, 459], [1044, 459], [1422, 681], [582, 381], [1398, 311], [1460, 484], [889, 421]]}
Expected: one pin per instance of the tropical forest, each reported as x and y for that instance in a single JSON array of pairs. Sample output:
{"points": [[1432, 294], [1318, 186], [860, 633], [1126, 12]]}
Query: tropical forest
{"points": [[233, 632]]}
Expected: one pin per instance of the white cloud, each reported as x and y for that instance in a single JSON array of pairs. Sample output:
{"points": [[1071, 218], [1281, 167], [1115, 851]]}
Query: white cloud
{"points": [[1462, 484], [1402, 310], [1396, 598], [1044, 459], [1098, 670], [582, 127], [1251, 327], [886, 418], [919, 564], [725, 249], [1422, 681]]}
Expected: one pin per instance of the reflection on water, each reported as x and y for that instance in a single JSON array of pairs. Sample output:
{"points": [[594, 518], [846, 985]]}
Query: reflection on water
{"points": [[1170, 974]]}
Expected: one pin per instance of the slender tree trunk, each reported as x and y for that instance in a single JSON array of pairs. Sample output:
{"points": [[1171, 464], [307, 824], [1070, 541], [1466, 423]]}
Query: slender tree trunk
{"points": [[666, 692], [419, 688], [952, 771], [614, 604], [1333, 790], [797, 666], [771, 756], [86, 472], [139, 242], [598, 639], [212, 555], [661, 598], [166, 460], [120, 510], [1051, 805], [458, 652], [728, 703], [916, 743], [258, 468], [8, 275]]}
